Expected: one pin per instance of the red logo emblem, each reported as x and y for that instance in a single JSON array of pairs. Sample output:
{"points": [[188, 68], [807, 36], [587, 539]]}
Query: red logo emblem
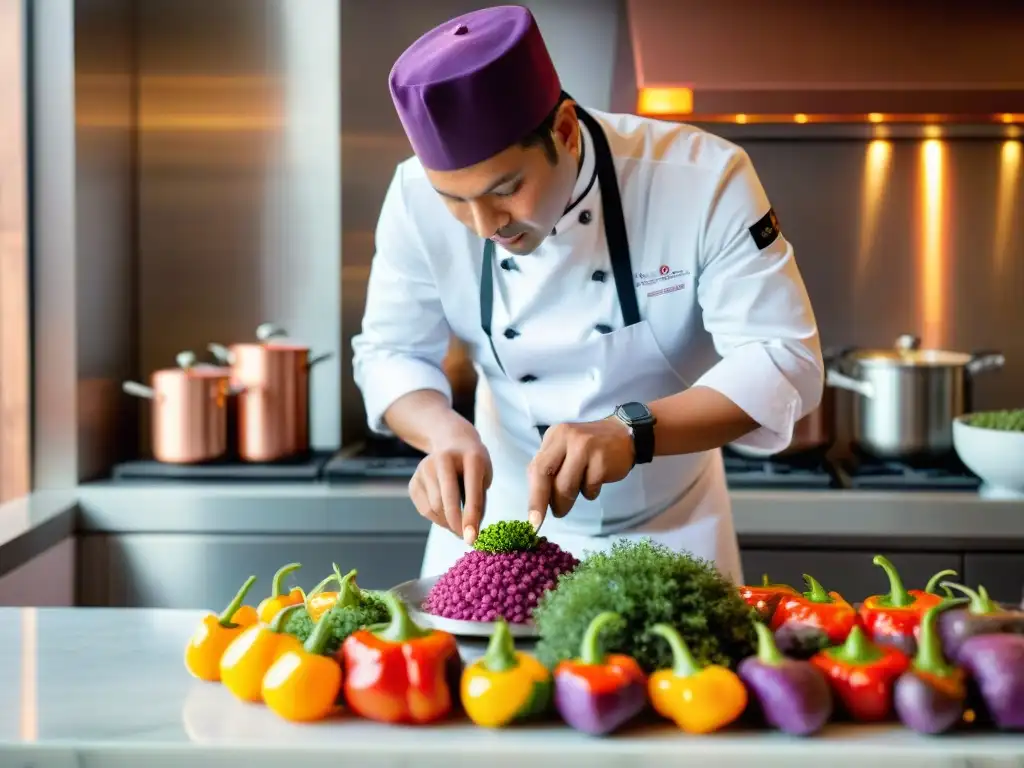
{"points": [[664, 269]]}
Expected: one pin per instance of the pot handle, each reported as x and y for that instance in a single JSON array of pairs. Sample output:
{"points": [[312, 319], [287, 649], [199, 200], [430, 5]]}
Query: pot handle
{"points": [[907, 342], [834, 378], [138, 390], [319, 359], [222, 354], [985, 361], [268, 331]]}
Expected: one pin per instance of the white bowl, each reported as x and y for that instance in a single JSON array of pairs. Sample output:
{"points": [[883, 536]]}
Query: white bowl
{"points": [[996, 456]]}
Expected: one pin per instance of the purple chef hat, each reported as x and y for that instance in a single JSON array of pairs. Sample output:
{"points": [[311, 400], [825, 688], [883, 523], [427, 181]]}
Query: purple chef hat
{"points": [[474, 86]]}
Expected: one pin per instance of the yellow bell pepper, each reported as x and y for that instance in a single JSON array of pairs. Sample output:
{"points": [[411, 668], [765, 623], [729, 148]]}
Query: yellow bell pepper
{"points": [[270, 607], [250, 655], [319, 602], [212, 637], [505, 685], [303, 685], [698, 699]]}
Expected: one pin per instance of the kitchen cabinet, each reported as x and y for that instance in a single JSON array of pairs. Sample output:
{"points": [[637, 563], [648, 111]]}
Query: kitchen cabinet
{"points": [[1001, 574], [205, 571], [850, 573], [47, 580]]}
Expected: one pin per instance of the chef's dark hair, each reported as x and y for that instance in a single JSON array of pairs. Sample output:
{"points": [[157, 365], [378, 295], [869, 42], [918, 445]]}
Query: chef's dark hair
{"points": [[542, 135]]}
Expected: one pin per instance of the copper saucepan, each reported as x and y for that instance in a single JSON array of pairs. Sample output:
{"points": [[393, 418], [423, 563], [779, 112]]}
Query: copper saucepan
{"points": [[271, 376], [189, 411]]}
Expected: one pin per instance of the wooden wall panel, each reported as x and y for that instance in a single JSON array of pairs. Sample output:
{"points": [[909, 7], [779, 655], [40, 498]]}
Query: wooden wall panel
{"points": [[15, 475]]}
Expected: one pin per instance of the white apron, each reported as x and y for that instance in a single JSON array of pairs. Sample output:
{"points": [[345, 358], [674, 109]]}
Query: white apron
{"points": [[679, 501]]}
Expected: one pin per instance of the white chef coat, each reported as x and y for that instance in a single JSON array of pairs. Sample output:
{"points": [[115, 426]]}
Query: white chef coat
{"points": [[722, 304]]}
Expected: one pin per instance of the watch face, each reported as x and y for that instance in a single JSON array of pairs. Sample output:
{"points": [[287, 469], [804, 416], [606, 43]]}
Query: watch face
{"points": [[634, 411]]}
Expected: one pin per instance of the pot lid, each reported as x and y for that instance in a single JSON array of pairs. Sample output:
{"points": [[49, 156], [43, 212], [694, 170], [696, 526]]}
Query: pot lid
{"points": [[933, 358]]}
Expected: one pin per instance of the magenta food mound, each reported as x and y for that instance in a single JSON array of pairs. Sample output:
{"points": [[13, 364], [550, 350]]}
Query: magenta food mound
{"points": [[483, 586]]}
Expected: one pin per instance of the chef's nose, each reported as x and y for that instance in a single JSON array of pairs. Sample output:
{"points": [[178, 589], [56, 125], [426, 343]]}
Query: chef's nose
{"points": [[486, 220]]}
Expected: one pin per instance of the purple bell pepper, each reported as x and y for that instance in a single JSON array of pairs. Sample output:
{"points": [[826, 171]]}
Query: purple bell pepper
{"points": [[793, 695], [996, 664], [598, 693], [982, 616]]}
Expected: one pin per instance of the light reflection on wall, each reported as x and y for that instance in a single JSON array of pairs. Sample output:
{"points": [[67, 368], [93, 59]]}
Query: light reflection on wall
{"points": [[876, 175], [1006, 204], [932, 256], [29, 726]]}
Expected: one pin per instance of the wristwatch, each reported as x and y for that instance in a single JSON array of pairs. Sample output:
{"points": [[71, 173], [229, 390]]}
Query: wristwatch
{"points": [[640, 421]]}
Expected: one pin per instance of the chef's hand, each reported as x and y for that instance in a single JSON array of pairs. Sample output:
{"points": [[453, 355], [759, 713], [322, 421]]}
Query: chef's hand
{"points": [[577, 459], [457, 470]]}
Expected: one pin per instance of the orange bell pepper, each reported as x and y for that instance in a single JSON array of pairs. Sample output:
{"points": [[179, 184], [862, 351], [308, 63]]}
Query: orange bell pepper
{"points": [[250, 655], [245, 616], [401, 673], [698, 700], [303, 685], [212, 637], [270, 606], [319, 602]]}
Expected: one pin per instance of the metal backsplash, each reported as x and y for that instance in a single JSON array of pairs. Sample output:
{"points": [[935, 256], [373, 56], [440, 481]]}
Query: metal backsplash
{"points": [[923, 237]]}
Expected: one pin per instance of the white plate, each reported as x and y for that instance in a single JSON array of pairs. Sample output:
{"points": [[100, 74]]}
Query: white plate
{"points": [[414, 594]]}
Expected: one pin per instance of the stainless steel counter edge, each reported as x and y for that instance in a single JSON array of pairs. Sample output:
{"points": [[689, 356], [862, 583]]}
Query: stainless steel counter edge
{"points": [[918, 520]]}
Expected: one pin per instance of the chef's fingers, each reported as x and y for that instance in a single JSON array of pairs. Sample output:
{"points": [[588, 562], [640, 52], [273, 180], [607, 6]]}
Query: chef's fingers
{"points": [[541, 477], [593, 478], [421, 499], [568, 480], [474, 476], [451, 497]]}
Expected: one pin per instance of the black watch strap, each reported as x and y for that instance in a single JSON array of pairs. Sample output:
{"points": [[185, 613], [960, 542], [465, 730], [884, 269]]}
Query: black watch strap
{"points": [[641, 423]]}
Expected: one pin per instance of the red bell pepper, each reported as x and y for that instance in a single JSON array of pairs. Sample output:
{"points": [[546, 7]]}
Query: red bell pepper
{"points": [[765, 598], [401, 673], [825, 611], [863, 675], [895, 618]]}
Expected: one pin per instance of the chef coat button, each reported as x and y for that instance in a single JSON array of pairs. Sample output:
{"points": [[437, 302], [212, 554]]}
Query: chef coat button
{"points": [[602, 328], [508, 265], [527, 378], [599, 276], [585, 217], [511, 333]]}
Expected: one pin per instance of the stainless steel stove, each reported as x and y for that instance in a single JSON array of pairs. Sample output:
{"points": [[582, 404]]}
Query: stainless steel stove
{"points": [[384, 459]]}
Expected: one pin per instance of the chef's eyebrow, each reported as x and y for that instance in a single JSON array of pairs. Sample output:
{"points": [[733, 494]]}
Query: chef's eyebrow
{"points": [[501, 180]]}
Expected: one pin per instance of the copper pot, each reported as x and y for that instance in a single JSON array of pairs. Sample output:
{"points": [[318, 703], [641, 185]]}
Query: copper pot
{"points": [[189, 422], [271, 376]]}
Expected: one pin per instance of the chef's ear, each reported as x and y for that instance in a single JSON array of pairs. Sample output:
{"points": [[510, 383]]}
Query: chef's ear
{"points": [[566, 125]]}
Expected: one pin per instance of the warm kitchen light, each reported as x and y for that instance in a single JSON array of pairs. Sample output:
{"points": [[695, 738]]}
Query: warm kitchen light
{"points": [[665, 101], [800, 118], [876, 174], [932, 253], [932, 131], [741, 119], [876, 117], [1006, 200]]}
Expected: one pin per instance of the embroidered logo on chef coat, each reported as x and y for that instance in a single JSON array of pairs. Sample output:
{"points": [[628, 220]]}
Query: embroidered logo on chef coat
{"points": [[765, 230], [665, 280]]}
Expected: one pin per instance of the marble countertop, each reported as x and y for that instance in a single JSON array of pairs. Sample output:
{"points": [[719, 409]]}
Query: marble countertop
{"points": [[108, 687]]}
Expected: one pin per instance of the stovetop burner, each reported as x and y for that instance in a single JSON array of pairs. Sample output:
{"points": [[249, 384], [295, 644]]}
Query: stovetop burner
{"points": [[867, 473], [811, 471], [377, 458]]}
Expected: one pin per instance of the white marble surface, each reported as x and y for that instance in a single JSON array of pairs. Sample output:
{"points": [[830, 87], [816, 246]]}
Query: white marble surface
{"points": [[107, 687]]}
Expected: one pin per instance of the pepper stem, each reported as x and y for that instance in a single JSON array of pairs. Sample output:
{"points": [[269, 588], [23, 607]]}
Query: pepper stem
{"points": [[898, 596], [768, 652], [981, 604], [277, 623], [929, 657], [401, 627], [316, 643], [933, 582], [857, 649], [501, 650], [765, 581], [235, 604], [817, 593], [683, 663], [591, 651], [321, 586], [275, 590], [348, 590]]}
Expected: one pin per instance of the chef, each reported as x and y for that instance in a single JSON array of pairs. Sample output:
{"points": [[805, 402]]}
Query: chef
{"points": [[629, 299]]}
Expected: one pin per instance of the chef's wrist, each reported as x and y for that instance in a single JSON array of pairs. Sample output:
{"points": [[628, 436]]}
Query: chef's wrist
{"points": [[452, 429]]}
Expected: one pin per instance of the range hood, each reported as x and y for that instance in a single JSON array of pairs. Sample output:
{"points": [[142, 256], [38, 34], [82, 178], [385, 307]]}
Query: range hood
{"points": [[838, 60]]}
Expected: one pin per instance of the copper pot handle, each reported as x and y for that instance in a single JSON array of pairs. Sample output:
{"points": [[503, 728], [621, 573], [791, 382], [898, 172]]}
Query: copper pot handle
{"points": [[319, 359], [139, 390], [222, 354], [268, 331]]}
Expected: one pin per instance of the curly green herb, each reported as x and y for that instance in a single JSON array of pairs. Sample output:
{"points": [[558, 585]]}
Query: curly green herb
{"points": [[506, 536]]}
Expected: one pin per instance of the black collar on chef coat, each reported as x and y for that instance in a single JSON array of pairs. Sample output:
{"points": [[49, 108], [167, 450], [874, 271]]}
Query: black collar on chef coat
{"points": [[614, 232]]}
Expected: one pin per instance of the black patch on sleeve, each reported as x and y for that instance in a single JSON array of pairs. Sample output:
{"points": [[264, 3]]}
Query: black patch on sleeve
{"points": [[765, 230]]}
